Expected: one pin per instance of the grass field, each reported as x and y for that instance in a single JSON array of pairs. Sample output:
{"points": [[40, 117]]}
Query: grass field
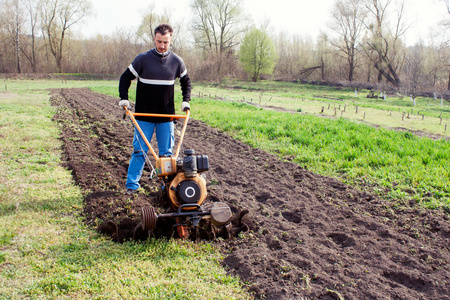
{"points": [[396, 111], [46, 251]]}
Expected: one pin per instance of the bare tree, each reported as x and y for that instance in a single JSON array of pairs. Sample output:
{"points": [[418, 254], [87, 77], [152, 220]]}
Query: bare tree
{"points": [[57, 18], [415, 79], [13, 21], [324, 55], [151, 19], [295, 53], [218, 24], [348, 22], [385, 43], [446, 25], [33, 8]]}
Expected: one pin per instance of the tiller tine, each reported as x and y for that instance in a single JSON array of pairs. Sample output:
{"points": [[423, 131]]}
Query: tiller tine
{"points": [[220, 214]]}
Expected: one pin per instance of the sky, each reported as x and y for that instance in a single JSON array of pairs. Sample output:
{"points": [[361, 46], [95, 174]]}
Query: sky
{"points": [[305, 17]]}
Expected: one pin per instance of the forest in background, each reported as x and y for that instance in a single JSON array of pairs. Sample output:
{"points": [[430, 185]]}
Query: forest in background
{"points": [[366, 49]]}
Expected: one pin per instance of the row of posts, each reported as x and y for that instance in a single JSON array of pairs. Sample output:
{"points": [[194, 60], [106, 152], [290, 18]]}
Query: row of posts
{"points": [[390, 113]]}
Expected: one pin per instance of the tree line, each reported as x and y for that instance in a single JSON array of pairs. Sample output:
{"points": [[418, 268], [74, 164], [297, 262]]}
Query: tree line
{"points": [[365, 47]]}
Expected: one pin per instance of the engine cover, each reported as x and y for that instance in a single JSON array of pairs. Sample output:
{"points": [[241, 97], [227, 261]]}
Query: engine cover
{"points": [[185, 190], [188, 191]]}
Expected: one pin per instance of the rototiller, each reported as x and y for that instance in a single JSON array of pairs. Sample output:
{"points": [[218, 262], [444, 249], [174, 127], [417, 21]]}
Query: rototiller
{"points": [[182, 186]]}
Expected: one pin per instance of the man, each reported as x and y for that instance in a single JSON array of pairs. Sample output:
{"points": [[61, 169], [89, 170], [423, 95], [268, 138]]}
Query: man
{"points": [[156, 71]]}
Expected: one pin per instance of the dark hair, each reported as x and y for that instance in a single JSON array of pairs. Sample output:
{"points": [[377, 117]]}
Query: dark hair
{"points": [[164, 29]]}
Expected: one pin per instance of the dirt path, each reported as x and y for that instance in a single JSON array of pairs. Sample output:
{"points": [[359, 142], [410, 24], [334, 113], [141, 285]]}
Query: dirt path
{"points": [[310, 236]]}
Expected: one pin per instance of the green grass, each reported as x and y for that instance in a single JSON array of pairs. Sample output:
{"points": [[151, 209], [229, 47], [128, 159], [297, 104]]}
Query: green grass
{"points": [[46, 250], [397, 111], [402, 166]]}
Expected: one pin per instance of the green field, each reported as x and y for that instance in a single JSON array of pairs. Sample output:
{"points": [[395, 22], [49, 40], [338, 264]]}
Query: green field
{"points": [[396, 111], [47, 252]]}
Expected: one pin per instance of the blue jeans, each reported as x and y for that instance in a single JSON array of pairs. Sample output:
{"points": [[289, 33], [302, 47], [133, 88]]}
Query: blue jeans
{"points": [[166, 140]]}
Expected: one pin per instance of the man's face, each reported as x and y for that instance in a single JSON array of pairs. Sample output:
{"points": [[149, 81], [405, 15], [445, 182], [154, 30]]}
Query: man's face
{"points": [[162, 42]]}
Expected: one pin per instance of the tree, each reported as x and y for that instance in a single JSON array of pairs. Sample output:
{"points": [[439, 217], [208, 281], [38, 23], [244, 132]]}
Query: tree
{"points": [[13, 21], [324, 52], [258, 54], [384, 45], [415, 78], [217, 28], [348, 22], [217, 24], [295, 53], [150, 20], [33, 8], [57, 18], [446, 25]]}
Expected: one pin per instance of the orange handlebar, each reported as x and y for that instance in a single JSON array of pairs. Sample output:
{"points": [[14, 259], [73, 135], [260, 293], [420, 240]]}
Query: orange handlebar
{"points": [[172, 117]]}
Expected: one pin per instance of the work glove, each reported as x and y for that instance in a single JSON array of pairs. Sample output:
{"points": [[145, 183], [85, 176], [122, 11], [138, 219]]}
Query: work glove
{"points": [[185, 106], [123, 103]]}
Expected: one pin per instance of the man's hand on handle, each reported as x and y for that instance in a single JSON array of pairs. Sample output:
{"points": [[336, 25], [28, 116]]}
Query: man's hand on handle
{"points": [[123, 103], [185, 106]]}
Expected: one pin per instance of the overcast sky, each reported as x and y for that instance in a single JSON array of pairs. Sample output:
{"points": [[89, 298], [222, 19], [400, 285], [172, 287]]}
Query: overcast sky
{"points": [[304, 17]]}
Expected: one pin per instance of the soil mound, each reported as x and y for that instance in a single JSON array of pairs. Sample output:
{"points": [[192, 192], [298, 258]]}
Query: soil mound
{"points": [[302, 235]]}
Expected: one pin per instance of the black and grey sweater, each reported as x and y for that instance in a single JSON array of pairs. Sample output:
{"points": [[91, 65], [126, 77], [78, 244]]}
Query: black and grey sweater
{"points": [[156, 74]]}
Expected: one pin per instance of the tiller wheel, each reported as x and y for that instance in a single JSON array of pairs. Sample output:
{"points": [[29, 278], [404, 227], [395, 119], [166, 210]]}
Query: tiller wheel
{"points": [[149, 218]]}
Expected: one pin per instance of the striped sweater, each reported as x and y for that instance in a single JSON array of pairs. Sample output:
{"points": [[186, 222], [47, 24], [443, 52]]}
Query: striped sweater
{"points": [[156, 74]]}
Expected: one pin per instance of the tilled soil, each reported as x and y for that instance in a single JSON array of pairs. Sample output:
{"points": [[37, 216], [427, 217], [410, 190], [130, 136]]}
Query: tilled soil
{"points": [[304, 236]]}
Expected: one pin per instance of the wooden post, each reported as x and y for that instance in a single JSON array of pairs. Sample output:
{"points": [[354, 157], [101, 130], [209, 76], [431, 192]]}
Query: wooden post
{"points": [[322, 109], [364, 116], [345, 107], [403, 116], [440, 121], [423, 117], [356, 108]]}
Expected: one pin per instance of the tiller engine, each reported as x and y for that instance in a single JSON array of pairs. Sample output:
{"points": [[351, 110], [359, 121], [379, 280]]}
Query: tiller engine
{"points": [[182, 185]]}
